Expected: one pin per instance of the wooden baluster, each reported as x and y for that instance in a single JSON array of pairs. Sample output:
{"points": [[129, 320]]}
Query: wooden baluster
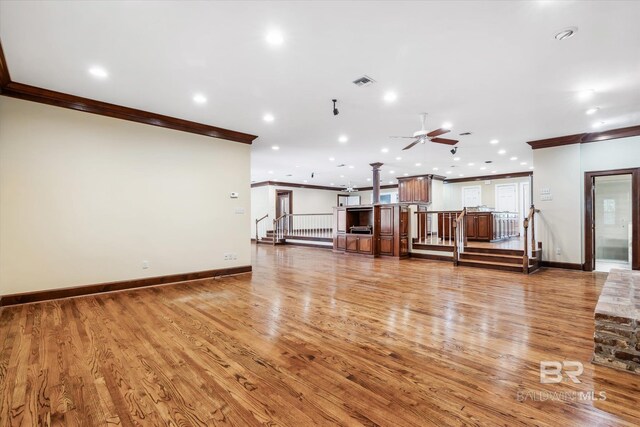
{"points": [[525, 254], [455, 247]]}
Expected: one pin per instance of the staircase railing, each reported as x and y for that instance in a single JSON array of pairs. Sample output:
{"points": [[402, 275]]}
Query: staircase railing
{"points": [[310, 225], [261, 227], [434, 227], [530, 244], [460, 236], [279, 228]]}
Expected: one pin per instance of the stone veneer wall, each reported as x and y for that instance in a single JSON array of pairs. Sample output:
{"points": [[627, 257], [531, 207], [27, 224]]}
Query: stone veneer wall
{"points": [[617, 322]]}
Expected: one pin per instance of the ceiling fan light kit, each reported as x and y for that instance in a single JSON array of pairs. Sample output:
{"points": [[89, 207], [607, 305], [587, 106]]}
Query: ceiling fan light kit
{"points": [[423, 136]]}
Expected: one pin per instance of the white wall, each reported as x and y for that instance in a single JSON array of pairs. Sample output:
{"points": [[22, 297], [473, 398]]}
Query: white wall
{"points": [[452, 192], [86, 199], [561, 170]]}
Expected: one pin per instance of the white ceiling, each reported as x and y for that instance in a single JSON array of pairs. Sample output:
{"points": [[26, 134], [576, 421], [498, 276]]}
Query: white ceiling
{"points": [[491, 68]]}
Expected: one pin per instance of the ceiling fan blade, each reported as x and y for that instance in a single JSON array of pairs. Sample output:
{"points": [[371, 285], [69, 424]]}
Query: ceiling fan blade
{"points": [[438, 132], [411, 145], [444, 141], [410, 137]]}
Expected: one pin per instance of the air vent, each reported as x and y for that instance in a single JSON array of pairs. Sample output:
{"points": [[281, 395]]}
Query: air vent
{"points": [[465, 134], [364, 81], [488, 161], [341, 165], [289, 174]]}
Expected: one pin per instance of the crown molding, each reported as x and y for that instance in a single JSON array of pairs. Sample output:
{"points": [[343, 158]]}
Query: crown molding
{"points": [[65, 100], [489, 177], [584, 138]]}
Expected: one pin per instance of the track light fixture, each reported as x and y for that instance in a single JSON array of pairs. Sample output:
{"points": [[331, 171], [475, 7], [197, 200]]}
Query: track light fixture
{"points": [[335, 109], [454, 150]]}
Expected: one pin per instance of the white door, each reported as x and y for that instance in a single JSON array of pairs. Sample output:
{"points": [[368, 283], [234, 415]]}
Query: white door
{"points": [[471, 196], [507, 197]]}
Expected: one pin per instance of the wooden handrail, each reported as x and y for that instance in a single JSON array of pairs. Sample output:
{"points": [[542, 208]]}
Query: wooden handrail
{"points": [[309, 214], [260, 219], [258, 222], [458, 224], [529, 220]]}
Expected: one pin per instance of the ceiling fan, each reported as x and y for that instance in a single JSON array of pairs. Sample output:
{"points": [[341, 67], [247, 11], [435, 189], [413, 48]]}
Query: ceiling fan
{"points": [[350, 188], [423, 136]]}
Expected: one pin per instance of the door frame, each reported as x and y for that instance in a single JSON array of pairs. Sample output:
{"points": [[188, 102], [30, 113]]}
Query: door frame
{"points": [[589, 226], [278, 193], [479, 187], [517, 194]]}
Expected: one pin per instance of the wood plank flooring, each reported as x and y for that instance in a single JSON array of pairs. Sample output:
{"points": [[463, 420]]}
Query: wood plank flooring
{"points": [[314, 338]]}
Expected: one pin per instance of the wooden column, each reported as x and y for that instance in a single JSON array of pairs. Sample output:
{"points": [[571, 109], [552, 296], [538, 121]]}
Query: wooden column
{"points": [[376, 182]]}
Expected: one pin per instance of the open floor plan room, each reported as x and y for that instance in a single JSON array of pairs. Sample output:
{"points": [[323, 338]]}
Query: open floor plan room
{"points": [[314, 213]]}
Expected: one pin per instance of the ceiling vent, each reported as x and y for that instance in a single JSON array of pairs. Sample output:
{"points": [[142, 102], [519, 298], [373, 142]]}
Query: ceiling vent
{"points": [[341, 165], [465, 134], [364, 81]]}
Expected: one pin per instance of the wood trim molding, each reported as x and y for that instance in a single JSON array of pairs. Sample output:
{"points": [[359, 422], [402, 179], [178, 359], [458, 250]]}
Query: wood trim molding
{"points": [[59, 99], [5, 77], [65, 100], [564, 265], [36, 296], [583, 138], [490, 177], [295, 185]]}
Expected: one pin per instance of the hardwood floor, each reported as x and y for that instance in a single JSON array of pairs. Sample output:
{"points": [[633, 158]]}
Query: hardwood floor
{"points": [[313, 338]]}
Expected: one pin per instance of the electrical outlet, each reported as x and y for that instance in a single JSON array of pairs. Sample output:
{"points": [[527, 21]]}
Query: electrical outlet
{"points": [[145, 265]]}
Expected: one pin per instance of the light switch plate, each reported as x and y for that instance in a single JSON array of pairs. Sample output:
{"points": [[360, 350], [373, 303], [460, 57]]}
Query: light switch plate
{"points": [[239, 211]]}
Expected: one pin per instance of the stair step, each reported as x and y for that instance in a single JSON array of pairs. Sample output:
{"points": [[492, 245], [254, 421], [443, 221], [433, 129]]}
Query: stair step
{"points": [[492, 265], [498, 258], [439, 248], [494, 251]]}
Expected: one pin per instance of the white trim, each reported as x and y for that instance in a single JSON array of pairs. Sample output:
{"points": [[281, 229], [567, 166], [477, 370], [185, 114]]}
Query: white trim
{"points": [[514, 185], [471, 186]]}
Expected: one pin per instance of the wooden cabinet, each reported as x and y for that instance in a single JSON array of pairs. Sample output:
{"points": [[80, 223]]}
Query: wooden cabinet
{"points": [[471, 226], [372, 230], [415, 189], [483, 226]]}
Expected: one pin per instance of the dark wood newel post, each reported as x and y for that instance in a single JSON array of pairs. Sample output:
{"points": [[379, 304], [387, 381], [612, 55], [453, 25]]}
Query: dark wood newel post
{"points": [[376, 182]]}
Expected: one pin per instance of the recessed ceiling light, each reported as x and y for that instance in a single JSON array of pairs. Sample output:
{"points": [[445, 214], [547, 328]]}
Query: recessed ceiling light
{"points": [[341, 176], [305, 181], [585, 94], [275, 147], [406, 174], [598, 124], [494, 171], [390, 182], [392, 172], [368, 179], [331, 159], [503, 151], [274, 37], [435, 169], [297, 166], [592, 110], [456, 159], [98, 72], [332, 183], [448, 172], [566, 33], [270, 171], [531, 167], [199, 98], [446, 125], [398, 158], [494, 141], [461, 174], [513, 158], [390, 96], [483, 168], [351, 166], [418, 164], [385, 150], [268, 118], [343, 139], [470, 164], [523, 163]]}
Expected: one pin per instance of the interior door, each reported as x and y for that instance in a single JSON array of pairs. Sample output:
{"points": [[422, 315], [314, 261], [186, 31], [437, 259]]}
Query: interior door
{"points": [[284, 205], [612, 214], [471, 196], [507, 198]]}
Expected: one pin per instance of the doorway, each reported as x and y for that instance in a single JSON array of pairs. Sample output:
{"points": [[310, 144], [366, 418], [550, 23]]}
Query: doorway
{"points": [[284, 205], [611, 220], [507, 197]]}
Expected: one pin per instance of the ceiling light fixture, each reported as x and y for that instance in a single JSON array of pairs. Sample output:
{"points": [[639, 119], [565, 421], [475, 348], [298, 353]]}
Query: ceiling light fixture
{"points": [[435, 169], [494, 141], [390, 96], [335, 109], [385, 150], [270, 172], [523, 163], [503, 151], [585, 94], [470, 164], [461, 174], [98, 72], [598, 124], [454, 150], [398, 158], [392, 172], [483, 168], [199, 98], [456, 159], [531, 167], [494, 171], [566, 33], [275, 147], [418, 164], [331, 159], [446, 125], [351, 166], [513, 158], [593, 110], [268, 118], [390, 182], [405, 174], [343, 138], [275, 37], [448, 172]]}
